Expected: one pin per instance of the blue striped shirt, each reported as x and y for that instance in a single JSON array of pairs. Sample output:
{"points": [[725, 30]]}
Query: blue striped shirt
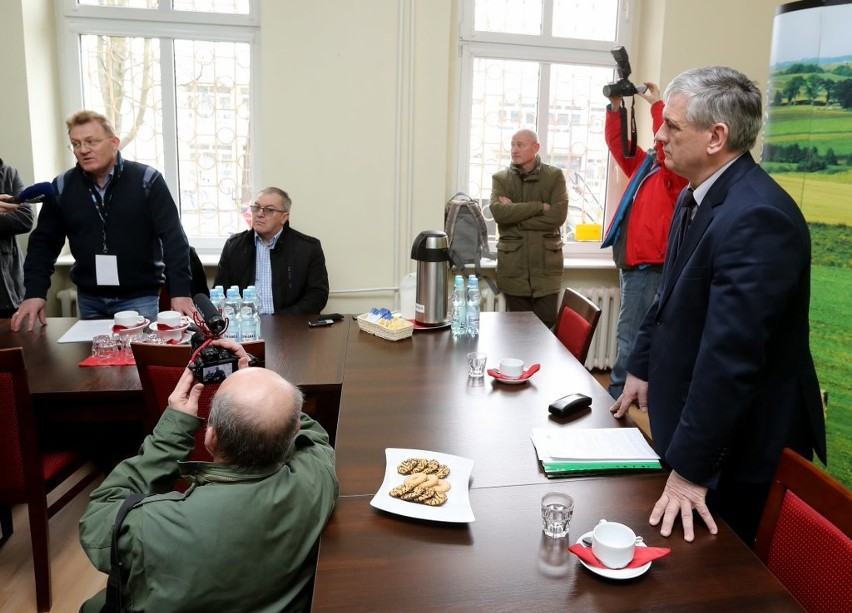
{"points": [[263, 273]]}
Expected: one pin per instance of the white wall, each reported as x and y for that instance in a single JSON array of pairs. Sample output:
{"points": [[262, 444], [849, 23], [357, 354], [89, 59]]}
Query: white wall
{"points": [[357, 113], [354, 99]]}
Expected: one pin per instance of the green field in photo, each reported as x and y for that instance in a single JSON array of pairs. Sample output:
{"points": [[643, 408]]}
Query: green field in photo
{"points": [[831, 339], [826, 195], [811, 126]]}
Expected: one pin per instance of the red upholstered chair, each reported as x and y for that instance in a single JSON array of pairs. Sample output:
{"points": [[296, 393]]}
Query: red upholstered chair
{"points": [[26, 474], [804, 535], [576, 324], [160, 367]]}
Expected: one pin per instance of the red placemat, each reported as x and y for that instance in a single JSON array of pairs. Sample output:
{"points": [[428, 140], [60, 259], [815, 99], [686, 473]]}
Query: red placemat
{"points": [[119, 360]]}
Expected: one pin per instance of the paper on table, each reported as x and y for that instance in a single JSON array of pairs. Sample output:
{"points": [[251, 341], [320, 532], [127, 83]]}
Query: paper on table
{"points": [[595, 444], [86, 330]]}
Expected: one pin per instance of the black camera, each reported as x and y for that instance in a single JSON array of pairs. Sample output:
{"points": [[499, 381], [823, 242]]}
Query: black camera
{"points": [[212, 364], [623, 87]]}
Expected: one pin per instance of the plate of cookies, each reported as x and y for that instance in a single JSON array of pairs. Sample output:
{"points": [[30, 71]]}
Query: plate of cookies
{"points": [[425, 485]]}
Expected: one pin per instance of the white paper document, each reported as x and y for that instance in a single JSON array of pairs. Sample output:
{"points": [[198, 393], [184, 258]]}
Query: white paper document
{"points": [[86, 330], [591, 444]]}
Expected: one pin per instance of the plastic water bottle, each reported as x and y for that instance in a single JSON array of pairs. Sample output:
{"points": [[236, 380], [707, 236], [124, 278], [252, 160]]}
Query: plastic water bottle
{"points": [[458, 318], [249, 317], [231, 312], [217, 297], [474, 298]]}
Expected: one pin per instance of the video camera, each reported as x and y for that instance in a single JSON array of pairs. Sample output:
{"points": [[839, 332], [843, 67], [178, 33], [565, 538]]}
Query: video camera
{"points": [[623, 87], [210, 364]]}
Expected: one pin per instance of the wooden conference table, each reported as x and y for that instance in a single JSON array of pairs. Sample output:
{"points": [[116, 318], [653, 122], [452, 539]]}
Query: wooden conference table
{"points": [[63, 392], [415, 394]]}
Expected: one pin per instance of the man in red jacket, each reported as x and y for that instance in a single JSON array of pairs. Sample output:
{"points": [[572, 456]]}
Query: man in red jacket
{"points": [[640, 228]]}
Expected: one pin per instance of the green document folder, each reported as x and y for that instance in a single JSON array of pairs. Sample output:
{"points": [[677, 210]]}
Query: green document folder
{"points": [[564, 469]]}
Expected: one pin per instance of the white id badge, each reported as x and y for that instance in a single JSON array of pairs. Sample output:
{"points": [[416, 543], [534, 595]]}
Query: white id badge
{"points": [[106, 269]]}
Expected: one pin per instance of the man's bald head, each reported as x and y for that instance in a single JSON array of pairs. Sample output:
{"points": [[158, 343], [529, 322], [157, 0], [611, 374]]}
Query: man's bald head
{"points": [[525, 147], [254, 417]]}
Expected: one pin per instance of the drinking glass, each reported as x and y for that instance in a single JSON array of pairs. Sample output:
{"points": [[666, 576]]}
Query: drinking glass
{"points": [[557, 508], [97, 341], [107, 349], [476, 364]]}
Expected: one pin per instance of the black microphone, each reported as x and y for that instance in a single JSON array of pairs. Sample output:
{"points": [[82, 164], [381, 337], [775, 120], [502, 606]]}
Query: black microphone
{"points": [[35, 193], [212, 318]]}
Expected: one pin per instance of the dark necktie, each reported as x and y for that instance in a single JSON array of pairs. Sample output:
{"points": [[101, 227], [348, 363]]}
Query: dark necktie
{"points": [[688, 204]]}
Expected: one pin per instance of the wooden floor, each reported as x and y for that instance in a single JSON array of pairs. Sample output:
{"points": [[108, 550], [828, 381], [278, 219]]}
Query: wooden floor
{"points": [[73, 576]]}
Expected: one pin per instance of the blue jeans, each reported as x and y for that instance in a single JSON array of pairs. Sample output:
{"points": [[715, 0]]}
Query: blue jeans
{"points": [[100, 307], [638, 290]]}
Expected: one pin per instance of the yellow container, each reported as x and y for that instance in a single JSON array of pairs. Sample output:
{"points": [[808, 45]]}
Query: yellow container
{"points": [[588, 232]]}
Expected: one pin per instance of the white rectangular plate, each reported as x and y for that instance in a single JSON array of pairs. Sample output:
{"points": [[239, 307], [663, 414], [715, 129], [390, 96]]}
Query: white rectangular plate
{"points": [[456, 509]]}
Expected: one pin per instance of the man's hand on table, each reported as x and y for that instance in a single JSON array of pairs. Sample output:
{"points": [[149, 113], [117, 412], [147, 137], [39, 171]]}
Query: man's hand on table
{"points": [[32, 308], [635, 392], [183, 305], [680, 497]]}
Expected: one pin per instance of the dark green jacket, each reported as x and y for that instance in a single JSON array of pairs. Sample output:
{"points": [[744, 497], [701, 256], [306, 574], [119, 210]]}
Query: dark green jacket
{"points": [[235, 541], [529, 246]]}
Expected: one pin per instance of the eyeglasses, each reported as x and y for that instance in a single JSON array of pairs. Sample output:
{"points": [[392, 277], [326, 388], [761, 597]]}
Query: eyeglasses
{"points": [[88, 144], [267, 210]]}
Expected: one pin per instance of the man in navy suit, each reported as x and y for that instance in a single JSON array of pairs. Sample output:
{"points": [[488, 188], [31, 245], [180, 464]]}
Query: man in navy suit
{"points": [[722, 362]]}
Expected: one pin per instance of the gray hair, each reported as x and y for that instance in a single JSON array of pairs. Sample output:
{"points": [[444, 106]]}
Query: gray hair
{"points": [[85, 116], [285, 197], [717, 94], [250, 443]]}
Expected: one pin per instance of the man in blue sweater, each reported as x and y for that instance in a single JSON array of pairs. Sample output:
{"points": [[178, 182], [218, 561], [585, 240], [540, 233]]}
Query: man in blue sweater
{"points": [[123, 228]]}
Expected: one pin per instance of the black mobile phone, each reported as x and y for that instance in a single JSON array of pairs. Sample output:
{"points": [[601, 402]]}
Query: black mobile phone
{"points": [[320, 322], [568, 405]]}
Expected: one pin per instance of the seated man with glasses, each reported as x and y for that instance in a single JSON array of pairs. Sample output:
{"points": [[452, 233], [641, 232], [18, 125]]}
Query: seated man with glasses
{"points": [[286, 266], [123, 228]]}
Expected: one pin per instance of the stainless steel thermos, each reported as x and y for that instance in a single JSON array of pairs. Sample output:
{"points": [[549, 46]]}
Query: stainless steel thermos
{"points": [[431, 251]]}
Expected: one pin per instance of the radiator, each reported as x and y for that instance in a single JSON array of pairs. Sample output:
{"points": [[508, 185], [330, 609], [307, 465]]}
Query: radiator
{"points": [[68, 299], [604, 345], [604, 342]]}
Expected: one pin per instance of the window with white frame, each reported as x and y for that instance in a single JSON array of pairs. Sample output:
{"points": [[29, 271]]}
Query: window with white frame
{"points": [[539, 64], [175, 78]]}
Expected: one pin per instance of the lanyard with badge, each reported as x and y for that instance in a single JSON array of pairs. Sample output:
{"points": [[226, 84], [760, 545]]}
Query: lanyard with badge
{"points": [[106, 265]]}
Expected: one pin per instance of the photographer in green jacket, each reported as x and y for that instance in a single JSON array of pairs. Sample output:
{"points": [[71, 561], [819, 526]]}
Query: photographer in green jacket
{"points": [[244, 536]]}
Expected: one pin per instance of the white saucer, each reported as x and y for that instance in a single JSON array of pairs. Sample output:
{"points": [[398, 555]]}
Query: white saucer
{"points": [[134, 330], [611, 573], [172, 334], [518, 381]]}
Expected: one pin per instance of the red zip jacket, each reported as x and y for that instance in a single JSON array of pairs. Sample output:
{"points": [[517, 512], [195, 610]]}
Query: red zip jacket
{"points": [[650, 215]]}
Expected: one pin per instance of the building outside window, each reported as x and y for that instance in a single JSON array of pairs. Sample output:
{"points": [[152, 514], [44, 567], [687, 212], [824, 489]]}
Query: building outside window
{"points": [[175, 77], [539, 64]]}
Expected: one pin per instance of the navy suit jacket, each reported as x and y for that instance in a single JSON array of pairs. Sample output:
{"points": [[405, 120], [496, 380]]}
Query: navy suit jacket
{"points": [[725, 348]]}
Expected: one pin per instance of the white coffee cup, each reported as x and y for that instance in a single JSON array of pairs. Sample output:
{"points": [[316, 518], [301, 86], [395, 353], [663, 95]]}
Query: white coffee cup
{"points": [[127, 319], [511, 367], [172, 319], [613, 544]]}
